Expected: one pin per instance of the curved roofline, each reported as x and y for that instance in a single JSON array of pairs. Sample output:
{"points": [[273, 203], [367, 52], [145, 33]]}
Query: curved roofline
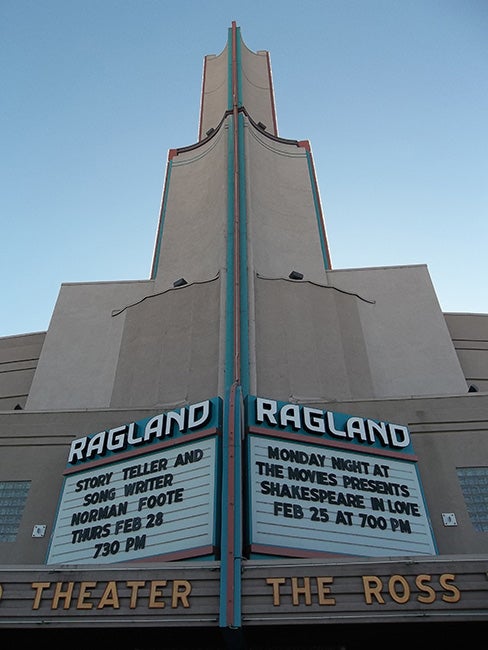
{"points": [[257, 125]]}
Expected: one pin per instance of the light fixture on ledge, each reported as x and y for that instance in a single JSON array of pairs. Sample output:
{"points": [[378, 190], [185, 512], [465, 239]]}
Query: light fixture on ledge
{"points": [[180, 283], [296, 275]]}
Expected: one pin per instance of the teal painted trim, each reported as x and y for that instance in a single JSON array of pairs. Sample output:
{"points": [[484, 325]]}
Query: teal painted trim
{"points": [[224, 517], [229, 69], [229, 302], [316, 203], [157, 248], [238, 489], [239, 66], [244, 285], [247, 504], [230, 573]]}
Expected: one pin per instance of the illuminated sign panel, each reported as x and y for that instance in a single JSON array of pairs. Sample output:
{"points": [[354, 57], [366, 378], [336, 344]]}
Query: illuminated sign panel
{"points": [[337, 429], [318, 492], [146, 435], [133, 505]]}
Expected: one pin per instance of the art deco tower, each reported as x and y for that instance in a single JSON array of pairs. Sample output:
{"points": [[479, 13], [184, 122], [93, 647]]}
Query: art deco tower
{"points": [[241, 291], [240, 209]]}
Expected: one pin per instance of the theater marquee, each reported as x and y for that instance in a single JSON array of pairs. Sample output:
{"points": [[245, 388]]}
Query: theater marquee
{"points": [[146, 489], [186, 594], [324, 483], [319, 483]]}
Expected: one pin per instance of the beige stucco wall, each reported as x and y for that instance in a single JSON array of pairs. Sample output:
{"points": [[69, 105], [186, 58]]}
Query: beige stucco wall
{"points": [[469, 333], [409, 345], [123, 345], [194, 240], [257, 94], [170, 350], [302, 331], [79, 357], [255, 86], [374, 332], [214, 100], [19, 356], [283, 230], [369, 333]]}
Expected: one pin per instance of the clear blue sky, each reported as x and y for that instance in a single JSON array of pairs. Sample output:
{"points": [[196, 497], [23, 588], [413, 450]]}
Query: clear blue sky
{"points": [[392, 94]]}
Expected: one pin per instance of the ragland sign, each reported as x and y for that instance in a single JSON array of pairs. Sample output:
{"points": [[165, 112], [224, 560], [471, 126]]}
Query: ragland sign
{"points": [[313, 495]]}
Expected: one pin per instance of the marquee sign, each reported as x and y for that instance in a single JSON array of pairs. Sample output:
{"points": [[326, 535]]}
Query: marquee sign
{"points": [[335, 429], [303, 592], [331, 484], [132, 505], [319, 483]]}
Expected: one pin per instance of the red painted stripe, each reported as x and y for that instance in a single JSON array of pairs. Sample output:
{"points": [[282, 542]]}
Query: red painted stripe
{"points": [[271, 95]]}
